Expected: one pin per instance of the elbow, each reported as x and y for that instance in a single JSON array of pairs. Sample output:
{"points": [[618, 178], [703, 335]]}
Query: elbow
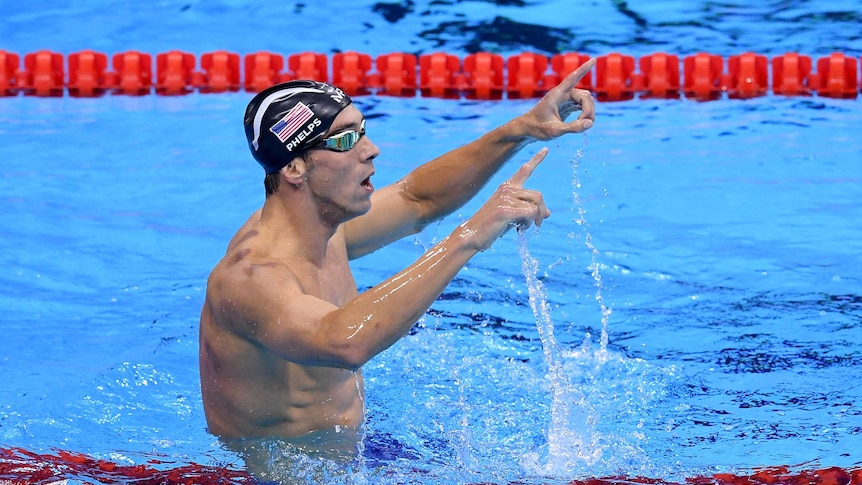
{"points": [[351, 357], [352, 366], [425, 208], [343, 345], [431, 213]]}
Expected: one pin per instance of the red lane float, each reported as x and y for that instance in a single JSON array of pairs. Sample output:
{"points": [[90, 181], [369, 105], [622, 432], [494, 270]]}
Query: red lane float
{"points": [[18, 465], [133, 73], [482, 75], [790, 74], [9, 64], [396, 76], [308, 65], [221, 72], [174, 73], [749, 76], [702, 76], [658, 77], [439, 75], [43, 74], [527, 76], [614, 77], [350, 72], [87, 74], [263, 69], [837, 76]]}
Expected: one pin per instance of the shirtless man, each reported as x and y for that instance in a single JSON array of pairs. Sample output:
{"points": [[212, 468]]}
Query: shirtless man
{"points": [[284, 331]]}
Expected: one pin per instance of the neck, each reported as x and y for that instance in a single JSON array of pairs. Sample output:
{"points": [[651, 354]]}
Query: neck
{"points": [[294, 220]]}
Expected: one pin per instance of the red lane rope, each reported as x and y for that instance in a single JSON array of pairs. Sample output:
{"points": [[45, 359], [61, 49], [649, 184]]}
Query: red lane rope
{"points": [[19, 466], [483, 75]]}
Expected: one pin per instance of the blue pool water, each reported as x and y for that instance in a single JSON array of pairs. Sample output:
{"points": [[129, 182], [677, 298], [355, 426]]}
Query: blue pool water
{"points": [[722, 238]]}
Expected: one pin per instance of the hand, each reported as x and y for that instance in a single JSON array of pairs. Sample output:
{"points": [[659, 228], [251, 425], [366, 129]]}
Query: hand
{"points": [[547, 119], [510, 206]]}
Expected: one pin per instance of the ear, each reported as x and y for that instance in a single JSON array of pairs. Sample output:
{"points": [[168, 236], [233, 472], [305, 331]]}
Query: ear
{"points": [[294, 172]]}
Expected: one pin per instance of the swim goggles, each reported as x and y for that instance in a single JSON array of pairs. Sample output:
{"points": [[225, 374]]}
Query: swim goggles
{"points": [[343, 141]]}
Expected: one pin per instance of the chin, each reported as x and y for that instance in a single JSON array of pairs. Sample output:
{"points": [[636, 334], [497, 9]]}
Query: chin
{"points": [[359, 210], [364, 209]]}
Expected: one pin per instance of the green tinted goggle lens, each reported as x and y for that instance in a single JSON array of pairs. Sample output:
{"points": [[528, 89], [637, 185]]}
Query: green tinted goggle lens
{"points": [[343, 141]]}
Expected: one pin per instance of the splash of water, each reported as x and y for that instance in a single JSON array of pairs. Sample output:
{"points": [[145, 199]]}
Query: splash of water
{"points": [[462, 439], [594, 266], [573, 440], [575, 445], [360, 476], [572, 437]]}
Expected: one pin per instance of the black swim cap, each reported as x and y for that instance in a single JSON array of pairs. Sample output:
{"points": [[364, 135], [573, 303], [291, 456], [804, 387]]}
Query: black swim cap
{"points": [[283, 121]]}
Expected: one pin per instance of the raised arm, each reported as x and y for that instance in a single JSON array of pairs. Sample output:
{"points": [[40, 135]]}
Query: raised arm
{"points": [[310, 331], [444, 184]]}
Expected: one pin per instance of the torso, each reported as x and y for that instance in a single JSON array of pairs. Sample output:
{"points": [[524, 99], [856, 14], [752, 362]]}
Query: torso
{"points": [[248, 390]]}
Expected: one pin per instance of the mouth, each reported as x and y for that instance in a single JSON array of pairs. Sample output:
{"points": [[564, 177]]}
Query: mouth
{"points": [[367, 183]]}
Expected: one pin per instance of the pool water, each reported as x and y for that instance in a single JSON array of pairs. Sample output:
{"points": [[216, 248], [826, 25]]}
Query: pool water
{"points": [[691, 307]]}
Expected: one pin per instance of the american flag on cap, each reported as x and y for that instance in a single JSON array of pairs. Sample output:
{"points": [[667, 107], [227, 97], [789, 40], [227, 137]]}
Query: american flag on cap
{"points": [[292, 121]]}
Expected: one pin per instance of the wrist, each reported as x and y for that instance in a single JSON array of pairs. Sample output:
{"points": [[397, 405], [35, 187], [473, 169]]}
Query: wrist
{"points": [[470, 238], [517, 131]]}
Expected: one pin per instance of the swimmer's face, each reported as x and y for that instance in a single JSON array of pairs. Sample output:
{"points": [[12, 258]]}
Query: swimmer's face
{"points": [[340, 174]]}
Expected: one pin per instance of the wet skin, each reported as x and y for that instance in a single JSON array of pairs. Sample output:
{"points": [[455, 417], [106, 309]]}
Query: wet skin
{"points": [[284, 332]]}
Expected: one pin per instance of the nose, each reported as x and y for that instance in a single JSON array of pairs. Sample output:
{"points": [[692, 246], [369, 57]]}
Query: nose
{"points": [[369, 149]]}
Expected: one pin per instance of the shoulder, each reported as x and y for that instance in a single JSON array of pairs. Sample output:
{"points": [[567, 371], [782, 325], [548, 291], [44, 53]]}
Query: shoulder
{"points": [[246, 295], [243, 273], [247, 279]]}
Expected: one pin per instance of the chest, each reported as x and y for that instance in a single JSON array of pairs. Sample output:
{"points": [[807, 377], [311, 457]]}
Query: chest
{"points": [[331, 281]]}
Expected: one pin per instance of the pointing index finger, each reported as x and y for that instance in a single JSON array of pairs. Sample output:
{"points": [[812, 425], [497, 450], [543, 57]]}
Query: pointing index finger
{"points": [[573, 78], [527, 169]]}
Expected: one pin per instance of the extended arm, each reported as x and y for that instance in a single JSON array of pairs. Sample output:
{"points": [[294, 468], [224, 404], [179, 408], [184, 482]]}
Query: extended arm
{"points": [[444, 184], [310, 331]]}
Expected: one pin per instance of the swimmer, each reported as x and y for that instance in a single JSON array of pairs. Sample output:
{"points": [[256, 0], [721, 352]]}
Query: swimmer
{"points": [[284, 332]]}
